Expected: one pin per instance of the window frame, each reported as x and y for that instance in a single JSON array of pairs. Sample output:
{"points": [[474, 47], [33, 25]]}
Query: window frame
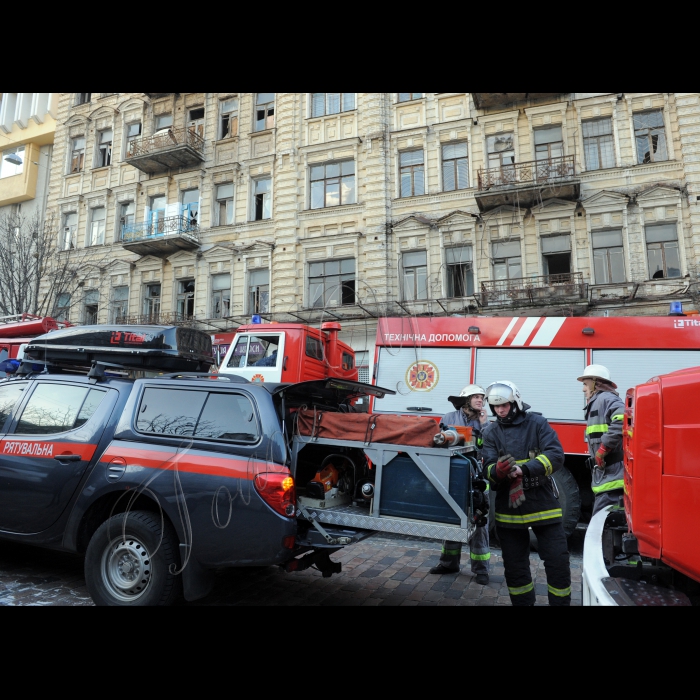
{"points": [[608, 249], [255, 195], [338, 288], [416, 276], [268, 108], [411, 169], [103, 151], [340, 181], [90, 238], [151, 303], [79, 153], [650, 136], [412, 97], [228, 114], [219, 291], [73, 231], [115, 304], [598, 140], [10, 168], [661, 245], [228, 202], [185, 299], [342, 98], [455, 162], [450, 274], [88, 314], [83, 98], [254, 295]]}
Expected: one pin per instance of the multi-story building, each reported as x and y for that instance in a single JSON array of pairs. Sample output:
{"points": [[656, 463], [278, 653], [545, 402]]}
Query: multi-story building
{"points": [[211, 207]]}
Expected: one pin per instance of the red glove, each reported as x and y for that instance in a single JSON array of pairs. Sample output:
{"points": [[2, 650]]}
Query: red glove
{"points": [[516, 495], [504, 466], [600, 456]]}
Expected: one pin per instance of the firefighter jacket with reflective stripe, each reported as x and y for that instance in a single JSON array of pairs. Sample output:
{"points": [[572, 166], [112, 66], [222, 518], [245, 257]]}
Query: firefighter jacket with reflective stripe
{"points": [[604, 415], [534, 445]]}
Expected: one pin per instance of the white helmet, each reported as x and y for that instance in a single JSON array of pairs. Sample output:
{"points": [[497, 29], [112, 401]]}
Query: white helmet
{"points": [[504, 392], [597, 372], [469, 390]]}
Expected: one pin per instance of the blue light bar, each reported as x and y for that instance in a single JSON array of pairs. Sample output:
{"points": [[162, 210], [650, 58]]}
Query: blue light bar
{"points": [[258, 319], [676, 309]]}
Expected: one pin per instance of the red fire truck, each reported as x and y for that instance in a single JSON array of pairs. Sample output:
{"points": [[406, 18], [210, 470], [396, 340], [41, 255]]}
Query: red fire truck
{"points": [[16, 331], [428, 359]]}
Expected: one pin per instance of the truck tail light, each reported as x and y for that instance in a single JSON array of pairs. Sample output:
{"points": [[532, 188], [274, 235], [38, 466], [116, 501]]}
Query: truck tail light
{"points": [[277, 490]]}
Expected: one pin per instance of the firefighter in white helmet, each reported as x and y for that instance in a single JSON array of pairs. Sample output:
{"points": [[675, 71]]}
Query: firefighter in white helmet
{"points": [[604, 414], [521, 451], [469, 412]]}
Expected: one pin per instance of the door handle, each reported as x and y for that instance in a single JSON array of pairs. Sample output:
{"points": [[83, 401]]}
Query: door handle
{"points": [[68, 458]]}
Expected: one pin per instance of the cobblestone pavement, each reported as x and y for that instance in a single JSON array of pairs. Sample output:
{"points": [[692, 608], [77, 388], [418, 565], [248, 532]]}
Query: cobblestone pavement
{"points": [[382, 570]]}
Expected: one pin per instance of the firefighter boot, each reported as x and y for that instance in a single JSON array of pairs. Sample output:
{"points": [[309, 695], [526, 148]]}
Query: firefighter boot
{"points": [[449, 559]]}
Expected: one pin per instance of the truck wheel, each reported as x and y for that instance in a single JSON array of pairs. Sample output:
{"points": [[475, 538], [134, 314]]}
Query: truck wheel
{"points": [[129, 561]]}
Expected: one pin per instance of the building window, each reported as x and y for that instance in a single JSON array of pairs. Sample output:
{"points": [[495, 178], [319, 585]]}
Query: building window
{"points": [[70, 226], [412, 173], [190, 207], [156, 213], [97, 226], [91, 306], [556, 255], [264, 111], [258, 291], [185, 299], [78, 155], [332, 283], [8, 168], [82, 98], [163, 121], [332, 184], [501, 152], [62, 307], [548, 143], [662, 251], [598, 144], [323, 103], [415, 275], [127, 216], [104, 148], [224, 204], [408, 96], [460, 271], [195, 122], [228, 118], [650, 134], [120, 304], [608, 259], [151, 303], [455, 167], [262, 201], [220, 296], [507, 263], [133, 131]]}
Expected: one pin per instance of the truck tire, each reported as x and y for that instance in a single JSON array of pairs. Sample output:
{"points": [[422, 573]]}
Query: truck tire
{"points": [[130, 559]]}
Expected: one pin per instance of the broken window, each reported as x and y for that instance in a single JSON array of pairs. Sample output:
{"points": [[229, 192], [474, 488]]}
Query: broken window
{"points": [[78, 155], [82, 98], [133, 131], [331, 103], [608, 259], [91, 306], [120, 304], [332, 283], [556, 255], [9, 164], [408, 96], [414, 274], [598, 144], [70, 225], [650, 134], [224, 204], [127, 216], [507, 263], [185, 299], [262, 201], [258, 291], [163, 121], [332, 184], [455, 167], [104, 148], [501, 155], [662, 251], [412, 173], [264, 111], [151, 303], [220, 296], [228, 118], [460, 271], [195, 123], [97, 226], [62, 307]]}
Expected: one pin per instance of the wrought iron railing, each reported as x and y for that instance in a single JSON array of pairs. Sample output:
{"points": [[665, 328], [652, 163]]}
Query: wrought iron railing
{"points": [[543, 289], [531, 172], [165, 140], [158, 319], [156, 228]]}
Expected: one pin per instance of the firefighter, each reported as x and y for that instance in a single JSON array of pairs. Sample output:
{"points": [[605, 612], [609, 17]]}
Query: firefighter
{"points": [[470, 413], [521, 451], [604, 413]]}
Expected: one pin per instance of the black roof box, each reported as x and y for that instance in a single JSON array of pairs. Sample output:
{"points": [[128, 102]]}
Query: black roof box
{"points": [[167, 348]]}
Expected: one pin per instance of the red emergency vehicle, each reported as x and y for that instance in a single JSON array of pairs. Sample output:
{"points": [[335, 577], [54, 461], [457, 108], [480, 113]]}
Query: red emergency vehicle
{"points": [[427, 359], [16, 331], [220, 343]]}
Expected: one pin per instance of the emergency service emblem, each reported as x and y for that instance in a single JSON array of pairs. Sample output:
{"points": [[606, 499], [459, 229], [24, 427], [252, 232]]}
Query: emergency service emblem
{"points": [[422, 376], [257, 378]]}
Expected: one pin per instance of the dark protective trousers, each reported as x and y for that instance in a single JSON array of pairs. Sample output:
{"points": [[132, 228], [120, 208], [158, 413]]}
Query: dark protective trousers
{"points": [[554, 552], [607, 498], [479, 552]]}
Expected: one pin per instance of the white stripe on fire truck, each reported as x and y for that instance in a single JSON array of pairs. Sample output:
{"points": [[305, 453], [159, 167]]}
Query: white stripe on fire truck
{"points": [[507, 331], [525, 330], [545, 335]]}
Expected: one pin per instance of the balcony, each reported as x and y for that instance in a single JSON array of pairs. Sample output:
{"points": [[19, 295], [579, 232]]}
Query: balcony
{"points": [[540, 290], [161, 237], [489, 100], [526, 184], [169, 149]]}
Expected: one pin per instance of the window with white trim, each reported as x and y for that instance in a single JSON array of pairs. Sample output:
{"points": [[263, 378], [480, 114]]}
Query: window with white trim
{"points": [[220, 296], [412, 173], [258, 291], [598, 143], [224, 204], [163, 121], [127, 216], [460, 271], [151, 303], [103, 157], [414, 275], [662, 251], [119, 306], [91, 306], [507, 262], [608, 256], [69, 234], [262, 199], [408, 96], [650, 136], [556, 255], [323, 103], [77, 155], [455, 166], [97, 226], [9, 168], [228, 118]]}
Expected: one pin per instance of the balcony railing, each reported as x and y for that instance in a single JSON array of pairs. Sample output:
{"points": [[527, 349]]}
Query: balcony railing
{"points": [[541, 289], [167, 226], [165, 140], [533, 172]]}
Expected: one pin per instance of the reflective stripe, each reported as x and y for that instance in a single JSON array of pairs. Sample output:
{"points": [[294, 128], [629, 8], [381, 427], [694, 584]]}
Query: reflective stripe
{"points": [[597, 428], [451, 551], [530, 517], [547, 464], [523, 589], [522, 461], [618, 416], [489, 472], [561, 592], [608, 486], [480, 557]]}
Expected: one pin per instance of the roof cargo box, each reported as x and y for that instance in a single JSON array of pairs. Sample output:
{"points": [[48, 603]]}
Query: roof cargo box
{"points": [[170, 348]]}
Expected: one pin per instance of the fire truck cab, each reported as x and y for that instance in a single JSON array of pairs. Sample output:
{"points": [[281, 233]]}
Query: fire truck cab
{"points": [[17, 331]]}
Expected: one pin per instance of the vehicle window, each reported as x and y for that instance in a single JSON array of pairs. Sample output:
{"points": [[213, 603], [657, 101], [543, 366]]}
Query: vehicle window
{"points": [[52, 408], [9, 396], [238, 355], [314, 348], [92, 401], [170, 411], [347, 361], [262, 351], [228, 417]]}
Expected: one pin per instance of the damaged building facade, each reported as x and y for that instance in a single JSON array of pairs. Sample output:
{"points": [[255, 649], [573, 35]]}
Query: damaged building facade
{"points": [[207, 208]]}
